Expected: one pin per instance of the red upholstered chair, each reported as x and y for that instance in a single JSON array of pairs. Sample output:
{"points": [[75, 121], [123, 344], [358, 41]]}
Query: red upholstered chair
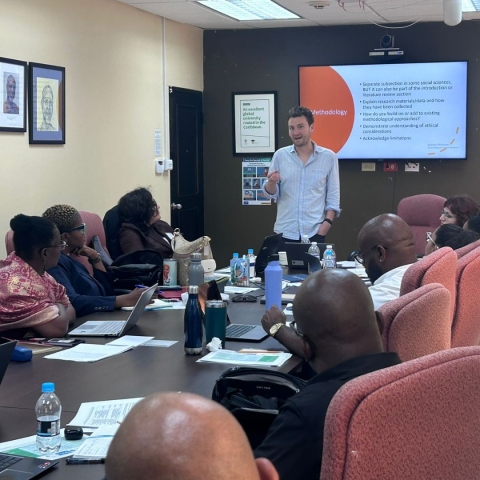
{"points": [[9, 242], [467, 249], [438, 267], [422, 213], [466, 321], [416, 420], [418, 323]]}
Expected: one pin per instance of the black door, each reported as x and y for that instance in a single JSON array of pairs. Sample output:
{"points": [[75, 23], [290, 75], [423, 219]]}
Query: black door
{"points": [[186, 151]]}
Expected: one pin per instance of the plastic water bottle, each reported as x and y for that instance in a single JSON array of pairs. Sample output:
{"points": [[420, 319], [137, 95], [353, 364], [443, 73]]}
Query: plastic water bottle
{"points": [[251, 262], [236, 270], [305, 239], [329, 257], [273, 282], [48, 410], [195, 270], [315, 252], [193, 323]]}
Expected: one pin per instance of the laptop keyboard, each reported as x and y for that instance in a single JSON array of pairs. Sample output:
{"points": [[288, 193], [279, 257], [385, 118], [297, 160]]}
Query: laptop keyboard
{"points": [[236, 331], [108, 327], [7, 460]]}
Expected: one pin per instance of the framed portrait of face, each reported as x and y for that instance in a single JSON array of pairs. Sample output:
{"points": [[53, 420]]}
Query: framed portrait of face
{"points": [[46, 104], [13, 95]]}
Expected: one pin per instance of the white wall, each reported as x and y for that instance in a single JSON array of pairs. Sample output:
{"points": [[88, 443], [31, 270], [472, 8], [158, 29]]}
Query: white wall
{"points": [[112, 54]]}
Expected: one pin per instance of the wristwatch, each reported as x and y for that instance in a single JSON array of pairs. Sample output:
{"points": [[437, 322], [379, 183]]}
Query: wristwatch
{"points": [[275, 328], [95, 260]]}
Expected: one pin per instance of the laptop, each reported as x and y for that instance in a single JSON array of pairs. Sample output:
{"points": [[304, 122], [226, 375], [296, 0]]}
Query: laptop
{"points": [[15, 467], [296, 253], [269, 247], [235, 331], [115, 328]]}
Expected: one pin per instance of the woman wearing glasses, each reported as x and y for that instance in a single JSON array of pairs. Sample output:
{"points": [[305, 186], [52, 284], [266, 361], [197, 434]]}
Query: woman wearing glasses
{"points": [[449, 235], [29, 296], [143, 227], [88, 294], [457, 210]]}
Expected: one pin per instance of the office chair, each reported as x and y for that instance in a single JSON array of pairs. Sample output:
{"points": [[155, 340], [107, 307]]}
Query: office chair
{"points": [[438, 267], [412, 421], [418, 323], [422, 213]]}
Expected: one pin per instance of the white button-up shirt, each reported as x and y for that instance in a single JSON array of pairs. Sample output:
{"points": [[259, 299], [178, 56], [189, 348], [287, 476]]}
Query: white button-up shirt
{"points": [[387, 287], [305, 191]]}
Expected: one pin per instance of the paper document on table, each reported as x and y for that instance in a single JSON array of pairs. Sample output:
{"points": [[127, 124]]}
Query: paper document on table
{"points": [[27, 447], [271, 359], [160, 343], [131, 341], [359, 271], [99, 414], [288, 310], [223, 270], [232, 289], [156, 305], [96, 446], [87, 353]]}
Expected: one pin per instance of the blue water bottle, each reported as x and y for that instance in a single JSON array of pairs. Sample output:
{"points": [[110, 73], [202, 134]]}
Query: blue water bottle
{"points": [[273, 283], [193, 326]]}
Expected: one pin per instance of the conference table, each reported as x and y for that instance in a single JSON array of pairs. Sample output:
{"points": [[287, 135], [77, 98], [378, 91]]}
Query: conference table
{"points": [[135, 373]]}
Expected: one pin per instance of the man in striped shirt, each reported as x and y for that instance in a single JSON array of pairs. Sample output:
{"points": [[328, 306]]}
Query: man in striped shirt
{"points": [[303, 179]]}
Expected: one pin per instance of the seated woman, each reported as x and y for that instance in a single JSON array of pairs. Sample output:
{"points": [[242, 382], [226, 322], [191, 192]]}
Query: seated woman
{"points": [[88, 294], [473, 224], [449, 235], [458, 209], [29, 296], [143, 227]]}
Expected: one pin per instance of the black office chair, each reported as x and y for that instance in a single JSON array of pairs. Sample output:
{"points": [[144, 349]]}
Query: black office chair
{"points": [[112, 223]]}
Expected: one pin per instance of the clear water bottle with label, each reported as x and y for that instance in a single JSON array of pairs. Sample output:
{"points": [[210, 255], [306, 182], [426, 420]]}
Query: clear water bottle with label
{"points": [[305, 239], [251, 262], [48, 410], [329, 257], [315, 252]]}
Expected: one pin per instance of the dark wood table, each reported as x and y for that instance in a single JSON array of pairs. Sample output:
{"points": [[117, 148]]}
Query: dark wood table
{"points": [[136, 373]]}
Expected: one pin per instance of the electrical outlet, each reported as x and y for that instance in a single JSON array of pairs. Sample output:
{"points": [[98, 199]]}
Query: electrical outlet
{"points": [[368, 166], [412, 167], [390, 166]]}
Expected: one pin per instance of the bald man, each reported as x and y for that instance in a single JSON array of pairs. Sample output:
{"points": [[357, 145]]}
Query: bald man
{"points": [[339, 337], [183, 436], [387, 250]]}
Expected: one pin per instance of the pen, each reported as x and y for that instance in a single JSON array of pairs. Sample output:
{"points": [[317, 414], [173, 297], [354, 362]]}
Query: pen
{"points": [[85, 461], [140, 286]]}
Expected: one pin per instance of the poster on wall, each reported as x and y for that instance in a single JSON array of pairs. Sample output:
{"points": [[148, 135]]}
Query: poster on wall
{"points": [[254, 122], [254, 175], [46, 104], [13, 95]]}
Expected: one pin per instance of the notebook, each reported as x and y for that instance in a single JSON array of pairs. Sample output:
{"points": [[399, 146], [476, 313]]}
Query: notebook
{"points": [[235, 331], [116, 328]]}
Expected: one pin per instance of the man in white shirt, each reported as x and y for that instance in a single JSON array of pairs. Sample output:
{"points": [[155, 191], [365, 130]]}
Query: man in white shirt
{"points": [[387, 249], [304, 181]]}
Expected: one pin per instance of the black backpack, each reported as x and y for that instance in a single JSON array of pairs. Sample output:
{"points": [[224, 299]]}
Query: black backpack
{"points": [[254, 397]]}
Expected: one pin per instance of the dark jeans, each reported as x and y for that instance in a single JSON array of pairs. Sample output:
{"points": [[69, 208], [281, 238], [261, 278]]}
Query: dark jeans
{"points": [[316, 238]]}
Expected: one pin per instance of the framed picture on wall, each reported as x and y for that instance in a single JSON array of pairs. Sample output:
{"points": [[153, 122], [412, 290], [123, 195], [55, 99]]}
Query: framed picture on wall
{"points": [[13, 95], [46, 104], [254, 122]]}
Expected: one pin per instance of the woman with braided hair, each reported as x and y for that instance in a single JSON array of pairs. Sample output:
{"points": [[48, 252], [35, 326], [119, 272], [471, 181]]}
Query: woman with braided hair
{"points": [[88, 294]]}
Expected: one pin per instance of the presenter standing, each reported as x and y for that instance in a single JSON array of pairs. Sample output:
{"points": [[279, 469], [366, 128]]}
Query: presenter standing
{"points": [[303, 179]]}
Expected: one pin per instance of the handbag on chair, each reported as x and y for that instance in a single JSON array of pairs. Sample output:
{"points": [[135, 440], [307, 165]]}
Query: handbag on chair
{"points": [[182, 249]]}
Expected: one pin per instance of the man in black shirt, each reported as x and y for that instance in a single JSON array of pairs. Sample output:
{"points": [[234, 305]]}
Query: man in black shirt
{"points": [[340, 339]]}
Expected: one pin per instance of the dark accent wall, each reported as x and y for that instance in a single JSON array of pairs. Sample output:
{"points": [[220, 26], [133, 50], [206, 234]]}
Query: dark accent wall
{"points": [[268, 59]]}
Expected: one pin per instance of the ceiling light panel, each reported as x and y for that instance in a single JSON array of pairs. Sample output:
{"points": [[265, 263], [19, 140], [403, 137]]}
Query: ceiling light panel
{"points": [[247, 10]]}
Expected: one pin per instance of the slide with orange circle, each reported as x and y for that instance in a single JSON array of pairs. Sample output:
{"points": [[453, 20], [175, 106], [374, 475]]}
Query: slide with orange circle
{"points": [[388, 111]]}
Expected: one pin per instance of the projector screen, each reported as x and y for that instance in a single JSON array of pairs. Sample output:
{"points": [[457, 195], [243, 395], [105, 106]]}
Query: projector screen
{"points": [[394, 111]]}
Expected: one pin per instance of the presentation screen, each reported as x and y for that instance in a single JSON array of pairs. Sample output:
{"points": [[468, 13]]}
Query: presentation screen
{"points": [[395, 111]]}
